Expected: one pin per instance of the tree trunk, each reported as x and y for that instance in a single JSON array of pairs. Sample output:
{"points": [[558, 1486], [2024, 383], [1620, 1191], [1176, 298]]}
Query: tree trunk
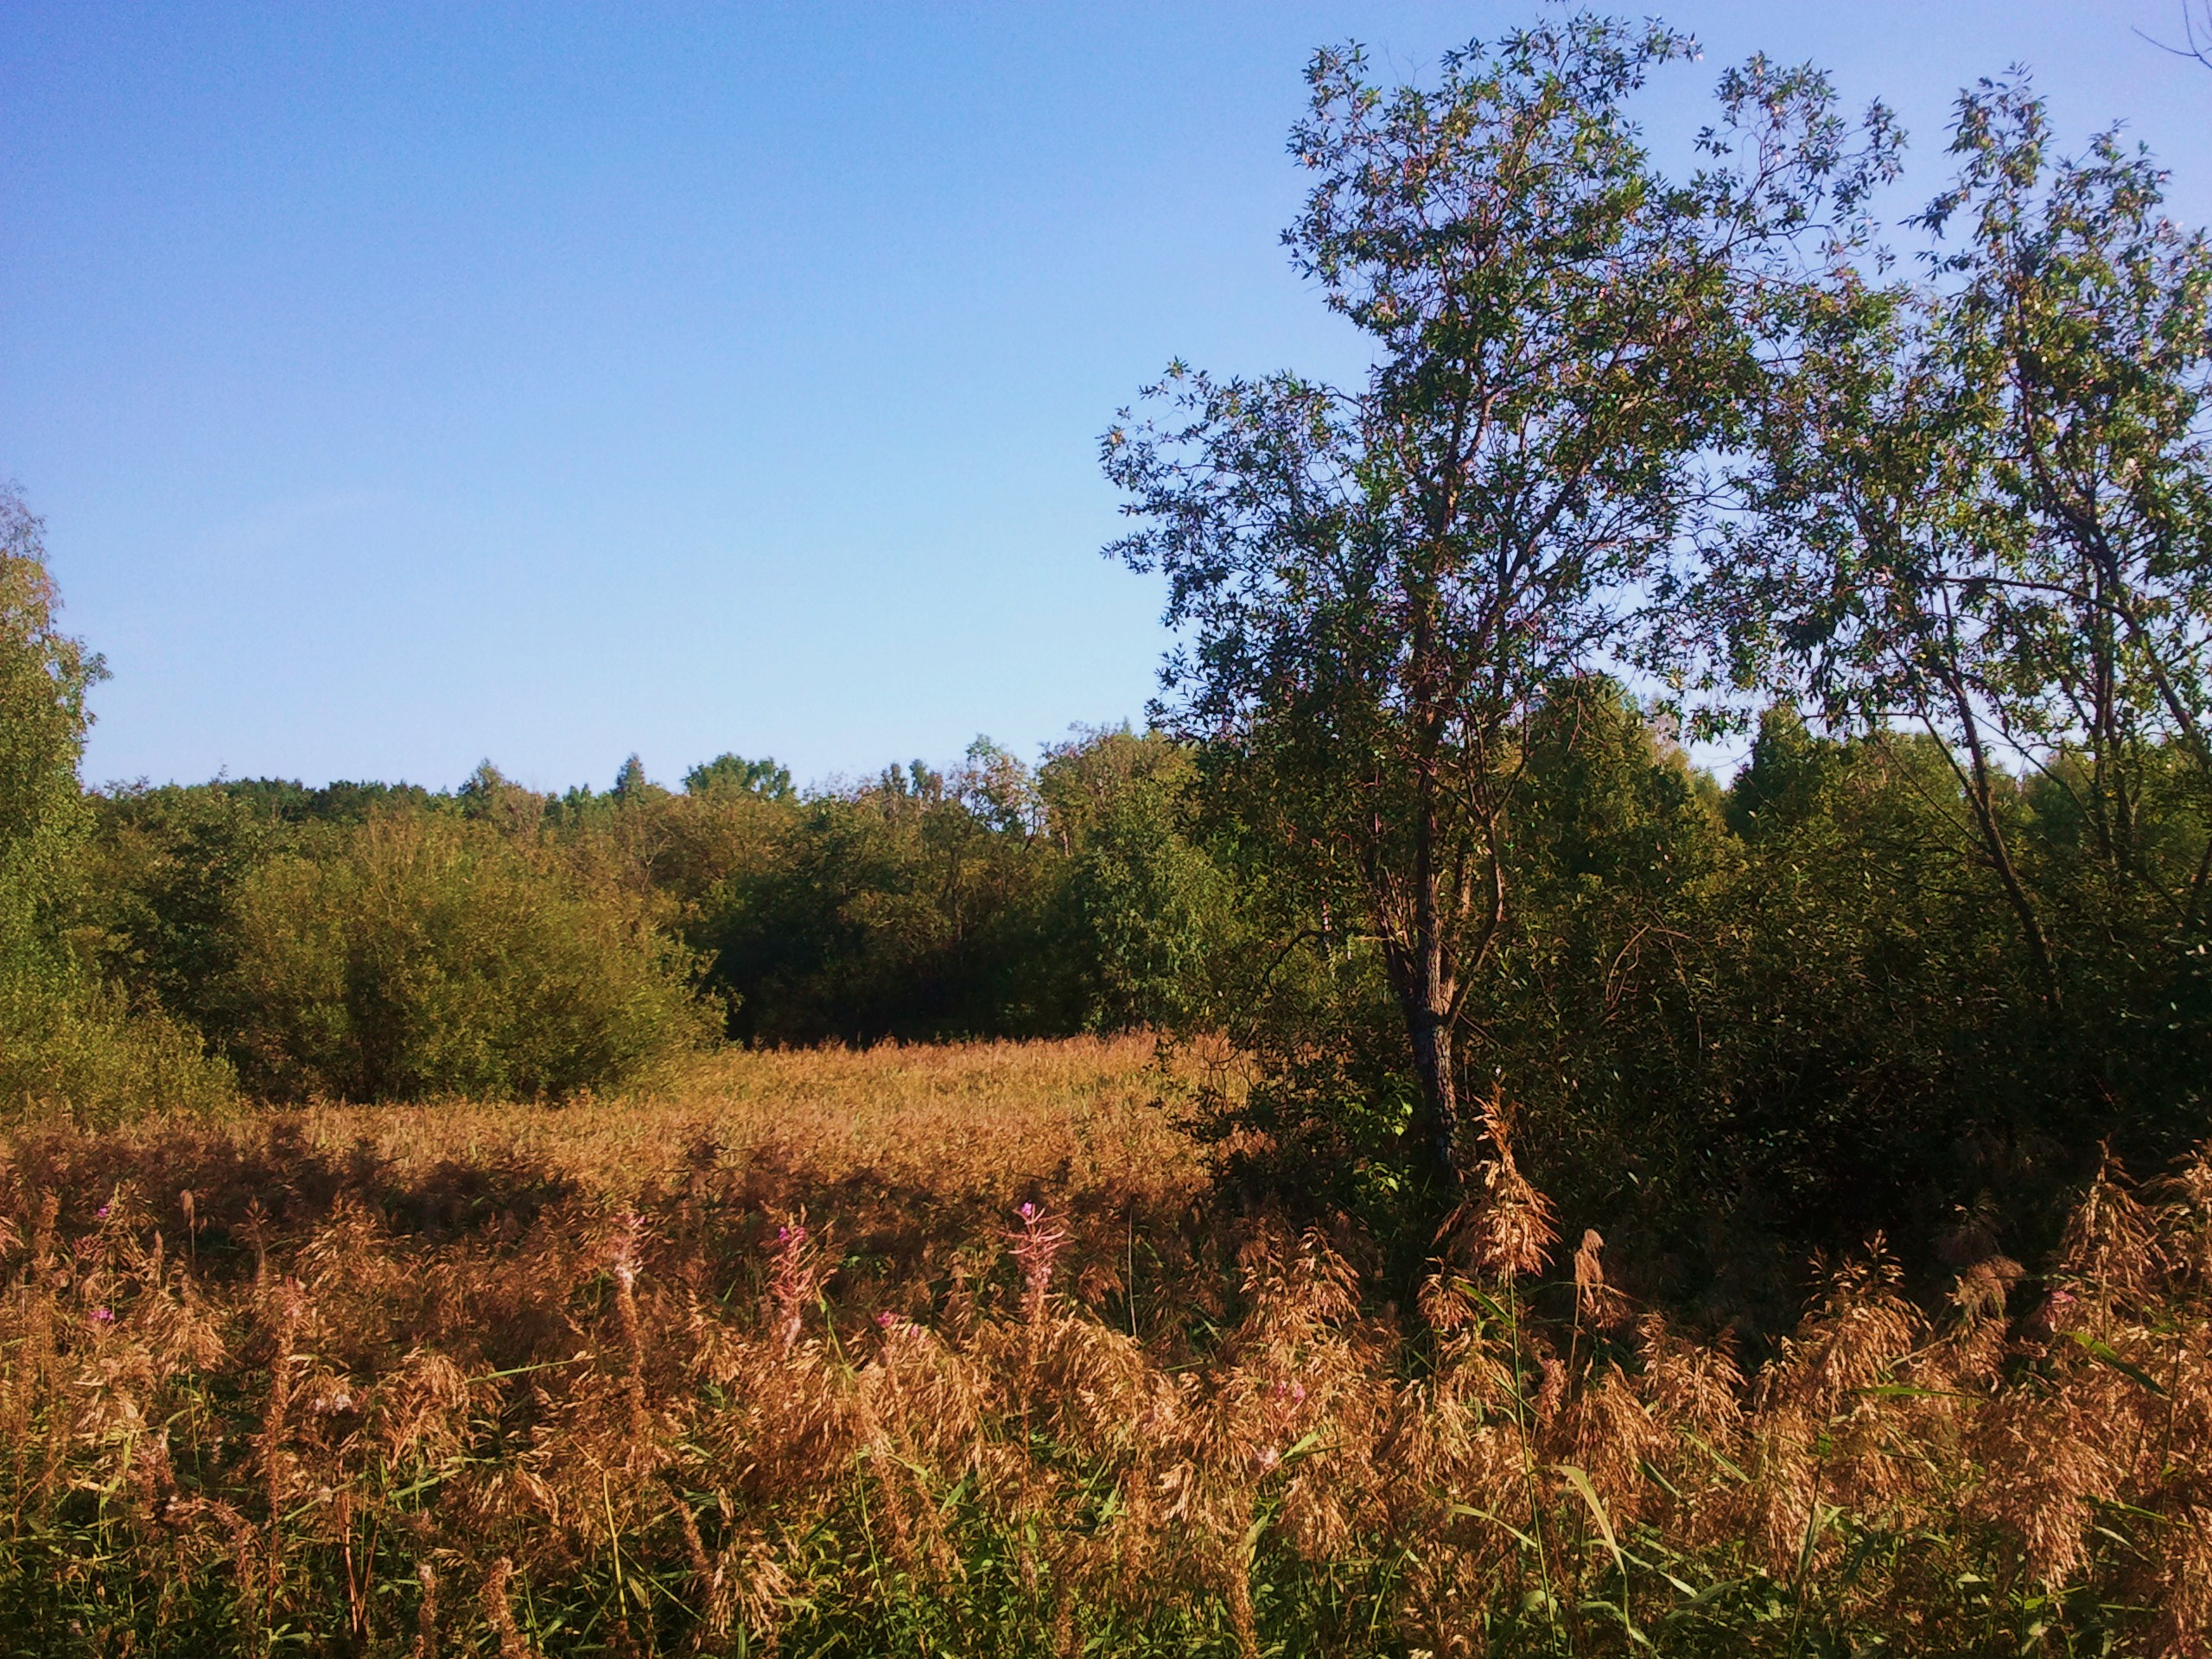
{"points": [[1432, 1035], [1980, 797]]}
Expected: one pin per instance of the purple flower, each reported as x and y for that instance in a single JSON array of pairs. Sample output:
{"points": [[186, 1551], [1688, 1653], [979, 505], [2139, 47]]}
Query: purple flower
{"points": [[1028, 1212], [103, 1316], [100, 1214]]}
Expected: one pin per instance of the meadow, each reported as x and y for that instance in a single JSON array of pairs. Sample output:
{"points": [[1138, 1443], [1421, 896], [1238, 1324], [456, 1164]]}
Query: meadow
{"points": [[952, 1350], [1392, 1157]]}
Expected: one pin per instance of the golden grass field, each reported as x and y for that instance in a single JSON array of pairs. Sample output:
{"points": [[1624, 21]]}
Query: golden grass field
{"points": [[953, 1350], [988, 1123]]}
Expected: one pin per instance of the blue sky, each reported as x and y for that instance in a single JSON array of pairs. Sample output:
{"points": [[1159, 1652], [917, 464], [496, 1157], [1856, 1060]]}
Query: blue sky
{"points": [[404, 386]]}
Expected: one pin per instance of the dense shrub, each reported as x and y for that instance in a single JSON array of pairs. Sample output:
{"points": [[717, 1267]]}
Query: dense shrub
{"points": [[1740, 1023], [893, 909], [994, 900], [1141, 905], [419, 956]]}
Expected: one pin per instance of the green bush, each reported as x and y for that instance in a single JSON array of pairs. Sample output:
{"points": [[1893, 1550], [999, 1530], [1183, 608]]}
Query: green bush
{"points": [[1140, 908], [419, 956], [77, 1047]]}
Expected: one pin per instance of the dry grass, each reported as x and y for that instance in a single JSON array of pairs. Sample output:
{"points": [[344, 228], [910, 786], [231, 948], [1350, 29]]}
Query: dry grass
{"points": [[947, 1351], [990, 1124]]}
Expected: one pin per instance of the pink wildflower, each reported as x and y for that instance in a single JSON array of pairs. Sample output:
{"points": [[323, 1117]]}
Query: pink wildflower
{"points": [[1034, 1248]]}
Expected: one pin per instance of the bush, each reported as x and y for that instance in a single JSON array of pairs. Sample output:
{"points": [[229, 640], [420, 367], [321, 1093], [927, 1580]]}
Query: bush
{"points": [[419, 956], [77, 1047]]}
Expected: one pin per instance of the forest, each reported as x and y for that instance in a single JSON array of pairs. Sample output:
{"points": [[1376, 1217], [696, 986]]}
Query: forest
{"points": [[421, 1146]]}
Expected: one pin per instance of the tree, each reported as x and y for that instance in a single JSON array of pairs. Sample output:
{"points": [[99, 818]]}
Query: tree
{"points": [[912, 907], [1142, 907], [1378, 587], [489, 795], [725, 772], [1983, 505], [2196, 33], [2081, 330], [632, 785], [44, 676], [63, 1035]]}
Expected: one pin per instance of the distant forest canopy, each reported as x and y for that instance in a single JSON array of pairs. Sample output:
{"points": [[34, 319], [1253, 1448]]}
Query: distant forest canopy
{"points": [[1940, 534], [995, 899]]}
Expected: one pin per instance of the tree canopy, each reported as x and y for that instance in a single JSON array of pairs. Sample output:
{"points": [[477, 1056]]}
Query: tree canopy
{"points": [[1380, 587]]}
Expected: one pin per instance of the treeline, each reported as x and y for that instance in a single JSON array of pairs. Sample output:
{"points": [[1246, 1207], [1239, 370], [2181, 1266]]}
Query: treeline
{"points": [[1734, 1019], [365, 941], [368, 941]]}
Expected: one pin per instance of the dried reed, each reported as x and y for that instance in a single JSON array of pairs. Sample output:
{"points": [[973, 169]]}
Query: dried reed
{"points": [[711, 1374]]}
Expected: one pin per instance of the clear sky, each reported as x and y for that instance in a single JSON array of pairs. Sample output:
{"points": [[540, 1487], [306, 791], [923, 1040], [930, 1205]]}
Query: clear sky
{"points": [[405, 385]]}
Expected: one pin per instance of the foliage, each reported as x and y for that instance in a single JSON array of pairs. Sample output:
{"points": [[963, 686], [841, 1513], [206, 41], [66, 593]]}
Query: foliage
{"points": [[1978, 507], [733, 771], [1982, 508], [1115, 1345], [1143, 909], [65, 1040], [1380, 586], [1959, 522], [44, 675], [998, 900], [992, 901], [420, 956]]}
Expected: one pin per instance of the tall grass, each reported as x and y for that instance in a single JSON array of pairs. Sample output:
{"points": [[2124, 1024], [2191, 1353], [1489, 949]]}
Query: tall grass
{"points": [[948, 1351]]}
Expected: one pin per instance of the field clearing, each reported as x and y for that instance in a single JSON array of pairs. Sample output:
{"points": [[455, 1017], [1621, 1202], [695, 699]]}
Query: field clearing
{"points": [[987, 1123], [913, 1147], [952, 1350]]}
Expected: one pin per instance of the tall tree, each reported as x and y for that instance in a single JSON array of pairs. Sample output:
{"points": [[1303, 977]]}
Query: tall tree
{"points": [[1983, 505], [1376, 588], [44, 676], [62, 1035]]}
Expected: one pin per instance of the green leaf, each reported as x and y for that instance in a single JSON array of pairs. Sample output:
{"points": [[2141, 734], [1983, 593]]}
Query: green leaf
{"points": [[1580, 1482], [1726, 1467], [2101, 1351], [1496, 1520]]}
